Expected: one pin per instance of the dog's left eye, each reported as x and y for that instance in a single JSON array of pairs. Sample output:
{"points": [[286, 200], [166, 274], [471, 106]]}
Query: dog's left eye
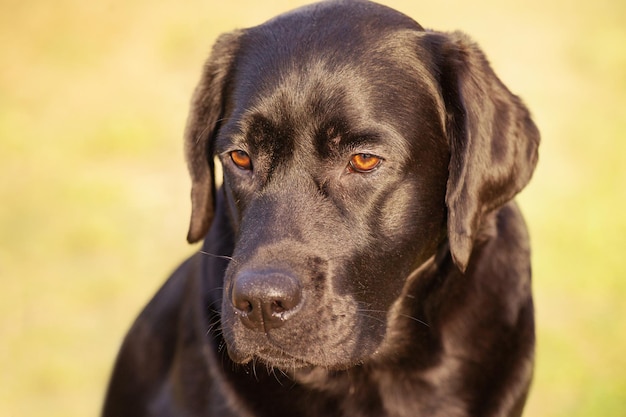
{"points": [[364, 162], [241, 159]]}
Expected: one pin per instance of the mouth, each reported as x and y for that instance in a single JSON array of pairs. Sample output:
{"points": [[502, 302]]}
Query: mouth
{"points": [[276, 358], [272, 357]]}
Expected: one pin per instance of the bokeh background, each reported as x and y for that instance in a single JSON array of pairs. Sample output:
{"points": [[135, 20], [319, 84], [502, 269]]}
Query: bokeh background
{"points": [[94, 190]]}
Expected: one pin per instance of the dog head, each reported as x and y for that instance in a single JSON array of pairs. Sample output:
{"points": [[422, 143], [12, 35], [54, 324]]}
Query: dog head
{"points": [[353, 145]]}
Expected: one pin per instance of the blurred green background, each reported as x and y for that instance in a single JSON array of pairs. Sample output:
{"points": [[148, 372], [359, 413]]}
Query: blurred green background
{"points": [[94, 191]]}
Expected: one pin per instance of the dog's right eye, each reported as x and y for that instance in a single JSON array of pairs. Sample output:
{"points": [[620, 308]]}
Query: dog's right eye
{"points": [[241, 159]]}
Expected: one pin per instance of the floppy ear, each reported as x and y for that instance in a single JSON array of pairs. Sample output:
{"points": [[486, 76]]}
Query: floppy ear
{"points": [[207, 110], [493, 141]]}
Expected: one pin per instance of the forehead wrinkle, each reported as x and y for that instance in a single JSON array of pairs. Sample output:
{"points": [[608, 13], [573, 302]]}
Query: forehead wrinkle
{"points": [[310, 98], [312, 92], [318, 83]]}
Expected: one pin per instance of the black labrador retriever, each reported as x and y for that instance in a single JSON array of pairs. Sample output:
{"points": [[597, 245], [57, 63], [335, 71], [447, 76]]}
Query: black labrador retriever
{"points": [[363, 256]]}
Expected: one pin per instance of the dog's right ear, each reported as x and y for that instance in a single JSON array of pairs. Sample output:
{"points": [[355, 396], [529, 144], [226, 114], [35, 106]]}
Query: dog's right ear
{"points": [[203, 122]]}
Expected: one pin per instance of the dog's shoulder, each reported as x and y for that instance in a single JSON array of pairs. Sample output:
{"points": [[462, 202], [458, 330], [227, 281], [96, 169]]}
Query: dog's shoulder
{"points": [[149, 350]]}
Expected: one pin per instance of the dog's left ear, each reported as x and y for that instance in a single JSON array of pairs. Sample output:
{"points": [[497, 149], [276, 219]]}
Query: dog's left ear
{"points": [[203, 122], [493, 141]]}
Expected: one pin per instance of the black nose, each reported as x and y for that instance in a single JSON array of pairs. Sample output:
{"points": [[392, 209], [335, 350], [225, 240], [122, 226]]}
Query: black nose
{"points": [[265, 300]]}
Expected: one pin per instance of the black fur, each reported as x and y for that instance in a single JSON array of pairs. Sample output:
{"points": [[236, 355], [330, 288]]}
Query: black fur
{"points": [[322, 290]]}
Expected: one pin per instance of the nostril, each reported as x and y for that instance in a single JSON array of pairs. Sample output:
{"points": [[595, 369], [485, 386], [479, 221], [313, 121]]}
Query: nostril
{"points": [[277, 307], [265, 299], [244, 306]]}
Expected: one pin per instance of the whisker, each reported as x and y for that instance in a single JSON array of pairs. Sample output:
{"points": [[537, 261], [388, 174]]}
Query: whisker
{"points": [[415, 319], [273, 373], [360, 312], [373, 318], [228, 258], [285, 374], [214, 306], [254, 363], [214, 329]]}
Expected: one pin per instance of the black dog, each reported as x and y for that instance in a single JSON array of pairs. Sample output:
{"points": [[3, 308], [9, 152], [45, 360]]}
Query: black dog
{"points": [[363, 256]]}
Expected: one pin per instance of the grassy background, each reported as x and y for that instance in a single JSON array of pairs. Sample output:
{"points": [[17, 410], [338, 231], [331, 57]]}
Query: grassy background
{"points": [[94, 190]]}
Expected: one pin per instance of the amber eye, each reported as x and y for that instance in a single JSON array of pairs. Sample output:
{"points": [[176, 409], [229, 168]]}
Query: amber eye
{"points": [[241, 159], [364, 162]]}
